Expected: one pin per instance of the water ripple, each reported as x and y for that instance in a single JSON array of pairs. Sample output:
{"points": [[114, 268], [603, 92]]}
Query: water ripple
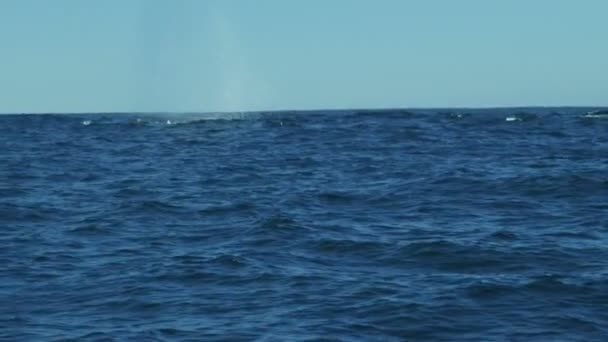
{"points": [[381, 225]]}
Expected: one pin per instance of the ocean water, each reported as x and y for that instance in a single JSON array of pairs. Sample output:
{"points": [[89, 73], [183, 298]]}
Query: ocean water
{"points": [[387, 225]]}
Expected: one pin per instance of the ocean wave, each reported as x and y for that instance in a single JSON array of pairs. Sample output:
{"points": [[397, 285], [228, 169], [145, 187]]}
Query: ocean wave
{"points": [[421, 224]]}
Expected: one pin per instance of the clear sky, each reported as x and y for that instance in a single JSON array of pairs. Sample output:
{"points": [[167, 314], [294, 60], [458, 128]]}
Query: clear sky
{"points": [[207, 55]]}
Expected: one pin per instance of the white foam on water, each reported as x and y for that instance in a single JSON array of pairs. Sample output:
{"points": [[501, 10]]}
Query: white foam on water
{"points": [[184, 118], [86, 122], [596, 116]]}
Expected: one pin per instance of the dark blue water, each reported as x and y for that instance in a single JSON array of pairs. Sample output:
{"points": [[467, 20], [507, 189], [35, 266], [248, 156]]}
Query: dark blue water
{"points": [[300, 226]]}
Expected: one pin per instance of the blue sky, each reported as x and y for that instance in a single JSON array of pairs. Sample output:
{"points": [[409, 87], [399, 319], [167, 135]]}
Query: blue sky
{"points": [[225, 55]]}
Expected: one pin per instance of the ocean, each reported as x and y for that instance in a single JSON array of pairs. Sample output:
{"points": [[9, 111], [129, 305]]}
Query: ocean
{"points": [[353, 225]]}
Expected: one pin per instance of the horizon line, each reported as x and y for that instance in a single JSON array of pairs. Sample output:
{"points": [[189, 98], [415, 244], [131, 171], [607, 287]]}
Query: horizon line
{"points": [[339, 109]]}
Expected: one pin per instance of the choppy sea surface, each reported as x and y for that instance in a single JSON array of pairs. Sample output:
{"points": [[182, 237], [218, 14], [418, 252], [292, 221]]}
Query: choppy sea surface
{"points": [[372, 225]]}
